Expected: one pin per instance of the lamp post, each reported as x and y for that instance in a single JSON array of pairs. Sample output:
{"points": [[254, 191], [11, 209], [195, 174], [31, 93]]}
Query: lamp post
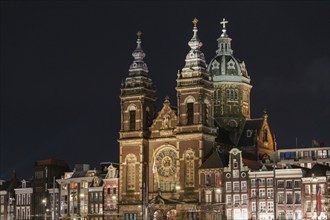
{"points": [[257, 197], [44, 201]]}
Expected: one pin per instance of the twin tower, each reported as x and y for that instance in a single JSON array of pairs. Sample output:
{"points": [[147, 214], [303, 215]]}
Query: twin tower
{"points": [[208, 96], [160, 152]]}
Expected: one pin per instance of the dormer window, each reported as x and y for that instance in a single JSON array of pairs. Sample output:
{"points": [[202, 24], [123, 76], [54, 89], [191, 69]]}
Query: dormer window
{"points": [[265, 137], [249, 133]]}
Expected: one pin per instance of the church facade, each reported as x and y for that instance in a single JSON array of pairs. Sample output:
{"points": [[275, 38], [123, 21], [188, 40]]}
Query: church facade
{"points": [[161, 152]]}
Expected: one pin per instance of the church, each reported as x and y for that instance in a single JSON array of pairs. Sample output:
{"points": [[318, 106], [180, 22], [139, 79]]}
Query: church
{"points": [[162, 153]]}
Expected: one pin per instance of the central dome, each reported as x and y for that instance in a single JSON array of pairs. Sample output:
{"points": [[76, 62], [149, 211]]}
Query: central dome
{"points": [[225, 67]]}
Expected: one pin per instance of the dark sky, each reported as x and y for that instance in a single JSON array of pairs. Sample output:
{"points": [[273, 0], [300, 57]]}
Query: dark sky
{"points": [[62, 63]]}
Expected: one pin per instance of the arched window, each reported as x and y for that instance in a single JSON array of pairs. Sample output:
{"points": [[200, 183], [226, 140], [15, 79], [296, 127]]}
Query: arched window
{"points": [[132, 117], [130, 171], [190, 168], [190, 110], [235, 94]]}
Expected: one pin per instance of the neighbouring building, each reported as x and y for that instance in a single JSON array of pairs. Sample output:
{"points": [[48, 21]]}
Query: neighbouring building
{"points": [[288, 191], [7, 197], [315, 193], [211, 193], [161, 152], [304, 157], [23, 195], [44, 173], [110, 193], [54, 201], [81, 193], [236, 179]]}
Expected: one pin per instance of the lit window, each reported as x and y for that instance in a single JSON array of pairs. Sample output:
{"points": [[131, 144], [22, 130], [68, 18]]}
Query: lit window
{"points": [[244, 199], [270, 207], [228, 186], [229, 199], [208, 197], [269, 193], [236, 186], [236, 199], [243, 186]]}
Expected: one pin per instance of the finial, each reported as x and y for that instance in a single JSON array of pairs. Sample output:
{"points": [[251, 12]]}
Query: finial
{"points": [[195, 43], [138, 53], [195, 21], [224, 22], [265, 115], [138, 34]]}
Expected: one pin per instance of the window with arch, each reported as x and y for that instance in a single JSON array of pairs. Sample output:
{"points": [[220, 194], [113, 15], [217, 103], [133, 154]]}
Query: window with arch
{"points": [[190, 110], [190, 168], [130, 171], [132, 117], [232, 94]]}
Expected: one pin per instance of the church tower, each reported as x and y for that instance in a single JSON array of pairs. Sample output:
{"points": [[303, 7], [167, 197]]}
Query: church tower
{"points": [[231, 85], [137, 100], [194, 95]]}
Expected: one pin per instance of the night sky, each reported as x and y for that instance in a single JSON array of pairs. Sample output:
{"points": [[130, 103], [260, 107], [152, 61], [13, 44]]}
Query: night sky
{"points": [[62, 63]]}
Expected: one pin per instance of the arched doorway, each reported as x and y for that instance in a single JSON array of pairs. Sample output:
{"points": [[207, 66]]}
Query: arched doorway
{"points": [[171, 214], [158, 215]]}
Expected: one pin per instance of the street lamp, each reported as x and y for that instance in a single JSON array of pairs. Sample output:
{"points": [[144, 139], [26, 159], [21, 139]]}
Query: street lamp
{"points": [[257, 197], [44, 201]]}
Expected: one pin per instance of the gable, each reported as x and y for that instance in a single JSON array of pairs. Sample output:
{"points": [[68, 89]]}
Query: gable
{"points": [[165, 122]]}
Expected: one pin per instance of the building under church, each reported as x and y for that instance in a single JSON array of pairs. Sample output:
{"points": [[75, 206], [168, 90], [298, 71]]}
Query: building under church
{"points": [[161, 153]]}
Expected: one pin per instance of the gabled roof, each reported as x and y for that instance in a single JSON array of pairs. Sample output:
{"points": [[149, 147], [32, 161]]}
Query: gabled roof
{"points": [[223, 137], [216, 160], [10, 185], [253, 125], [318, 170], [252, 164], [77, 174]]}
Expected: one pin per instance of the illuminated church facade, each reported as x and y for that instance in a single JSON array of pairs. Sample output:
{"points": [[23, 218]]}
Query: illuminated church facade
{"points": [[163, 154]]}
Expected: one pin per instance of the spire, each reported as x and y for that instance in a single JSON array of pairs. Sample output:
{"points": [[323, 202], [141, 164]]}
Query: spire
{"points": [[224, 41], [138, 53], [195, 59], [195, 43], [138, 67]]}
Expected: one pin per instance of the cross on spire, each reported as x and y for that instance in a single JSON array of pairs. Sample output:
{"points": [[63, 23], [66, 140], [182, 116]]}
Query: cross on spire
{"points": [[195, 21], [224, 22]]}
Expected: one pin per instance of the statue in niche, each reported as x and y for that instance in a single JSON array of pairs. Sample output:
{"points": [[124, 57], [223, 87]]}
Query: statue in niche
{"points": [[166, 121]]}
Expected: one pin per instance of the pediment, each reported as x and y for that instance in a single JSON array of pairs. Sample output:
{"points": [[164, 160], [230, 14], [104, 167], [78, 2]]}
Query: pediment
{"points": [[165, 122]]}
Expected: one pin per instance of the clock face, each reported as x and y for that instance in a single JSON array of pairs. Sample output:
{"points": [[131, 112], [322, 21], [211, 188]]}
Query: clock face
{"points": [[166, 162]]}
